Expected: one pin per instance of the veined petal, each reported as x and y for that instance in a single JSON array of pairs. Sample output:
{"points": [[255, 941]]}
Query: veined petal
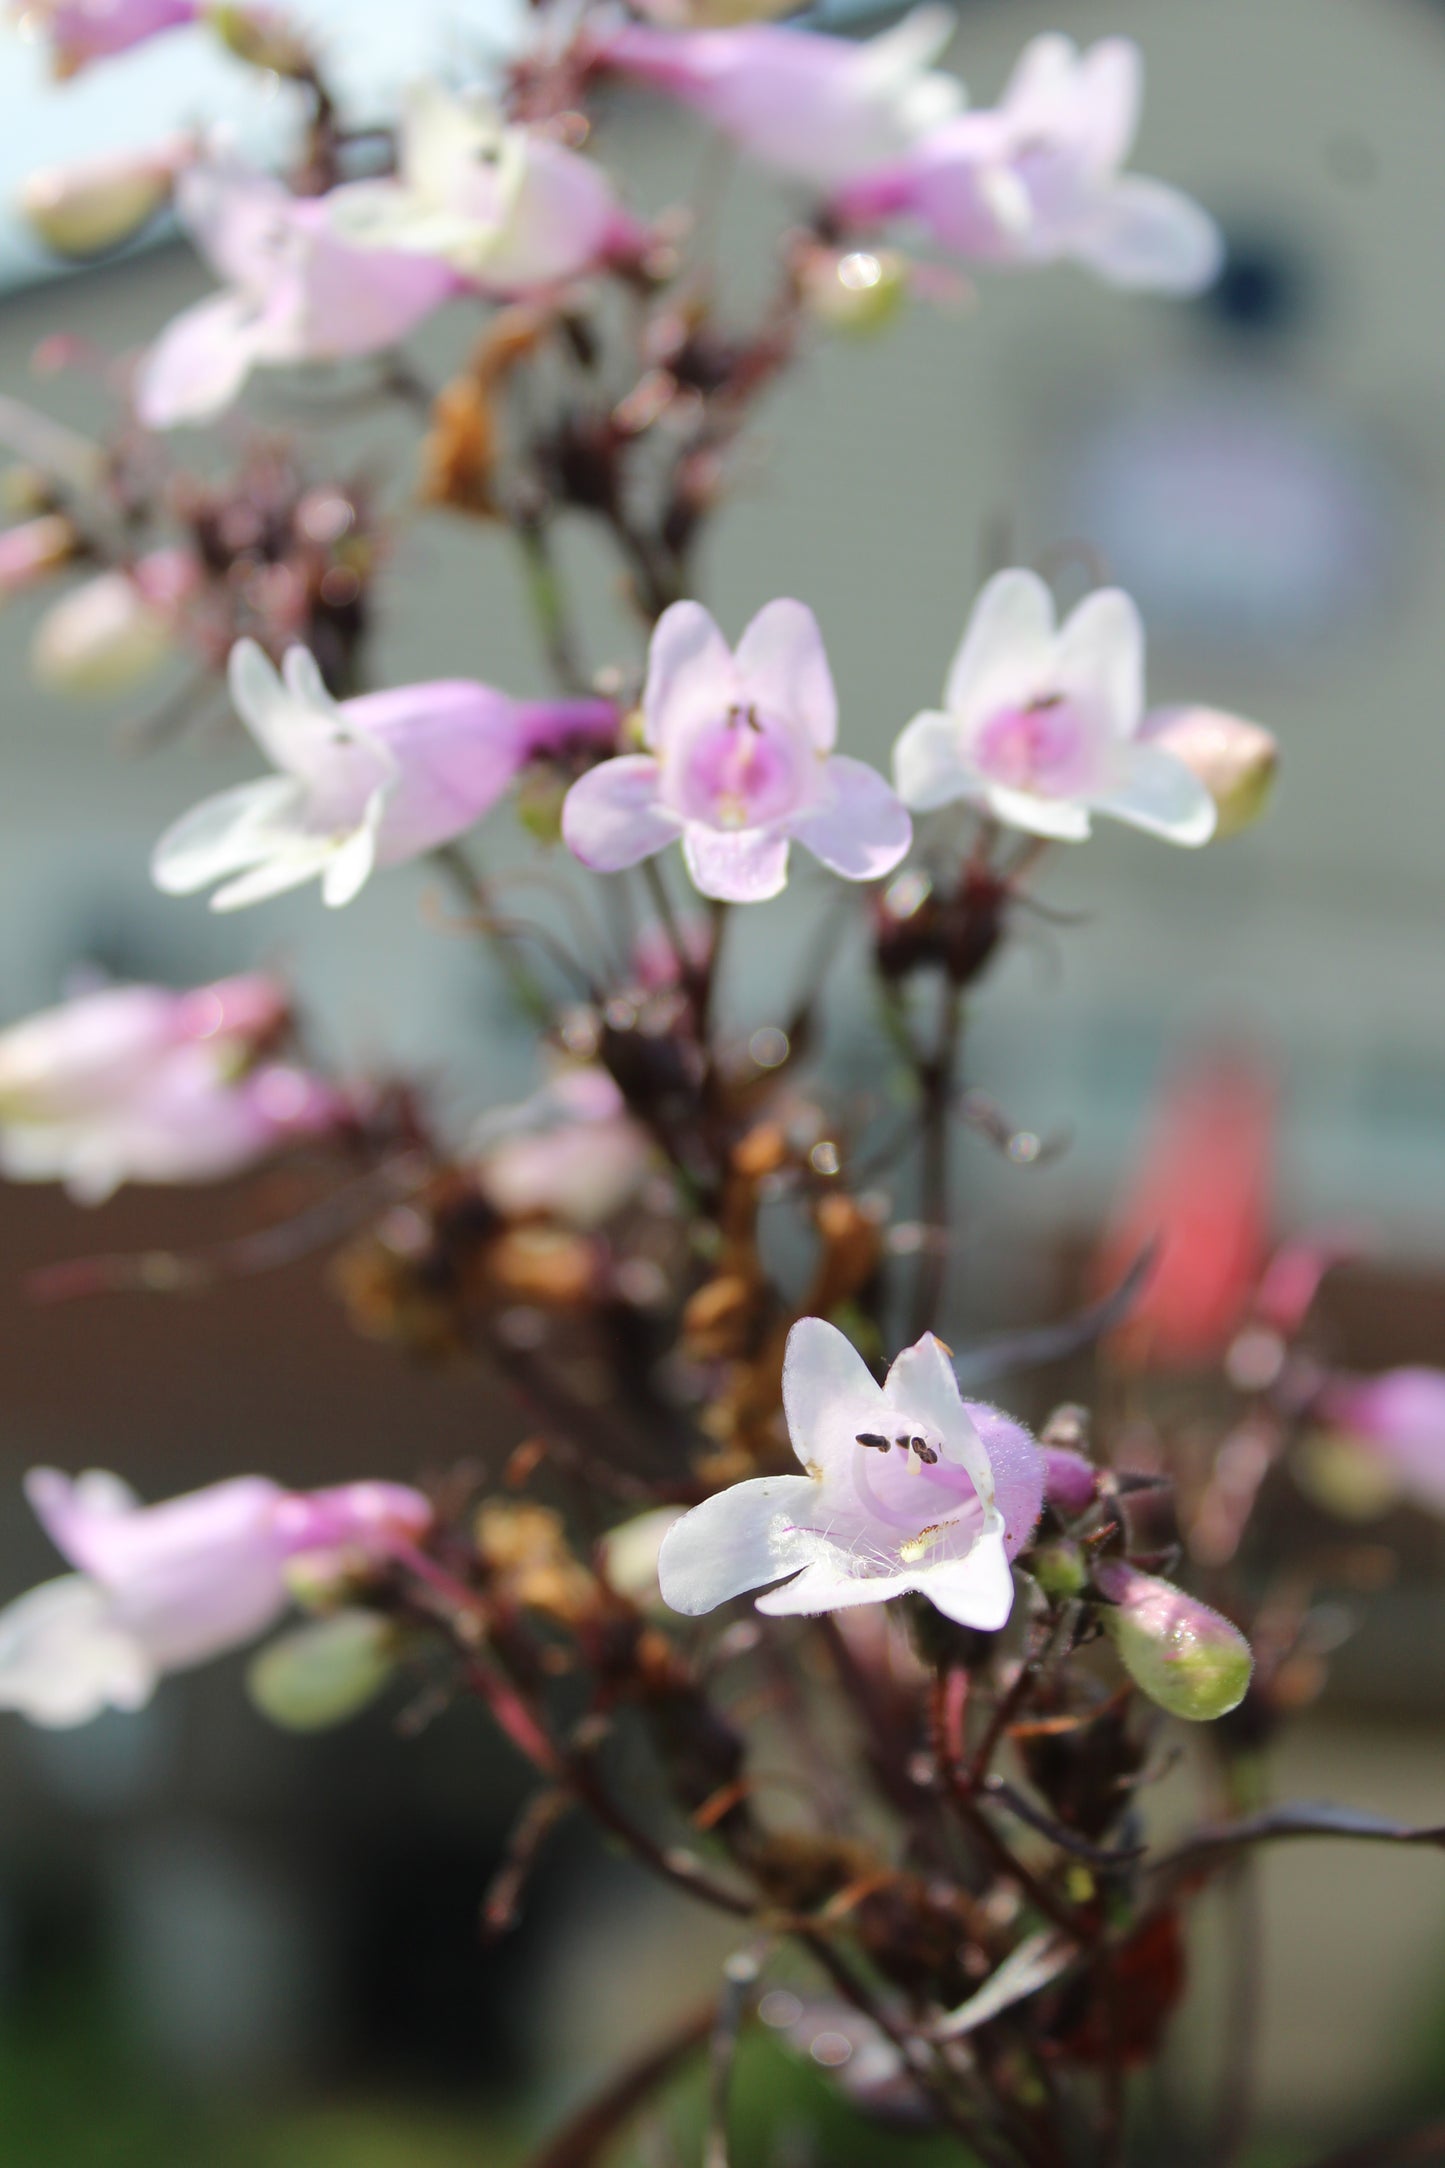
{"points": [[825, 1380], [975, 1591], [1159, 794], [1099, 661], [1058, 818], [735, 865], [690, 674], [1145, 235], [856, 825], [223, 834], [740, 1539], [1006, 650], [613, 816], [782, 666], [197, 366], [826, 1585]]}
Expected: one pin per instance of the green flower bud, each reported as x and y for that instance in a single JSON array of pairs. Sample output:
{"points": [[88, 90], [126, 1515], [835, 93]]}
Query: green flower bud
{"points": [[325, 1672], [1059, 1570], [1184, 1656]]}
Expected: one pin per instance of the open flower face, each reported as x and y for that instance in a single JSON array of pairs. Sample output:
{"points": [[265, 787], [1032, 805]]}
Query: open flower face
{"points": [[1040, 178], [509, 208], [295, 291], [1042, 724], [909, 1490], [821, 108], [740, 761]]}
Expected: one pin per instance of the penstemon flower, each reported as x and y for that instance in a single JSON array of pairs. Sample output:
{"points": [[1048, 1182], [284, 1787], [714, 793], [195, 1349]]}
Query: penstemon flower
{"points": [[509, 208], [1398, 1418], [1040, 178], [295, 291], [910, 1490], [571, 1152], [139, 1084], [822, 108], [739, 763], [368, 782], [160, 1588], [1042, 724]]}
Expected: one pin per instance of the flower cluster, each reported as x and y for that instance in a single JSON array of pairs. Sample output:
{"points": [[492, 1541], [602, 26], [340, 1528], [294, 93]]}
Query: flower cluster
{"points": [[704, 1268]]}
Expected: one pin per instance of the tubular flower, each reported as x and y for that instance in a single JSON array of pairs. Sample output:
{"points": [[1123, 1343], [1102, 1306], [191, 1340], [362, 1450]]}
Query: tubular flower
{"points": [[821, 108], [739, 762], [362, 783], [294, 292], [161, 1588], [909, 1489], [509, 208], [1039, 178], [139, 1084], [1042, 723]]}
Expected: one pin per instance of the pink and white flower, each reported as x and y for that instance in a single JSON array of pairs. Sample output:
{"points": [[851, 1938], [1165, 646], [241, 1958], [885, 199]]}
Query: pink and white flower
{"points": [[295, 291], [1042, 725], [1040, 178], [362, 783], [509, 208], [572, 1152], [739, 763], [82, 31], [821, 108], [1398, 1418], [138, 1084], [161, 1588], [909, 1490]]}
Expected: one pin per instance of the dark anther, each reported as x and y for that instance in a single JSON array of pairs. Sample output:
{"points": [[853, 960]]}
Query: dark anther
{"points": [[870, 1437], [926, 1452]]}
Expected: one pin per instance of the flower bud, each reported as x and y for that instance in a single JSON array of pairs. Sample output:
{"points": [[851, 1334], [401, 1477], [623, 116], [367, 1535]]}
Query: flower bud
{"points": [[1070, 1481], [105, 637], [856, 290], [1185, 1657], [1059, 1570], [324, 1672], [31, 553], [1236, 761], [99, 203]]}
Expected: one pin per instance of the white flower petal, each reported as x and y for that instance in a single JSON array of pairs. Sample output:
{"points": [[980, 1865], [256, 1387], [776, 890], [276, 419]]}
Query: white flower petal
{"points": [[738, 1540], [825, 1381], [856, 825], [290, 865], [353, 861], [735, 865], [826, 1586], [1109, 96], [930, 767], [922, 1383], [1058, 818], [196, 368], [1099, 661], [975, 1591], [224, 834], [691, 677], [783, 666], [1159, 794], [1006, 649], [62, 1658], [1145, 235]]}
